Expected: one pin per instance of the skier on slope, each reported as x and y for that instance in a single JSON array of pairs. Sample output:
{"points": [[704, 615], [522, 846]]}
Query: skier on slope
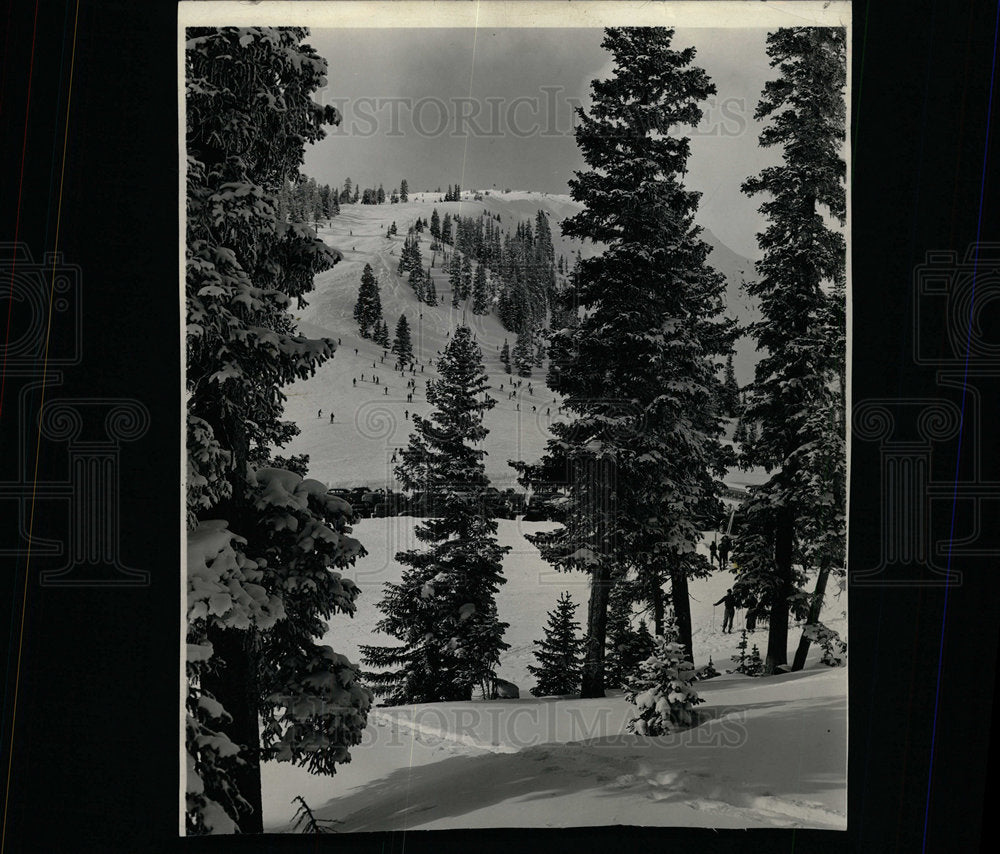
{"points": [[730, 612], [713, 550], [725, 544]]}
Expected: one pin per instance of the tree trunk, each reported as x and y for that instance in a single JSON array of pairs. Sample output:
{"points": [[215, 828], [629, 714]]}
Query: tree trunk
{"points": [[777, 639], [592, 683], [235, 686], [814, 608], [682, 606], [658, 607], [597, 629]]}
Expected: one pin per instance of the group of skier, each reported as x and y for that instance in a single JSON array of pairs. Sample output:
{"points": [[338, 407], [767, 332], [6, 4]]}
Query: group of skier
{"points": [[720, 551], [730, 602]]}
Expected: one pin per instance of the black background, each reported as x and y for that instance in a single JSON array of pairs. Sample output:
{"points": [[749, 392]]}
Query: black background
{"points": [[95, 742]]}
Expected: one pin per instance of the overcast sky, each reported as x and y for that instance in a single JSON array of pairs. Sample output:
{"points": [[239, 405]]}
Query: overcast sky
{"points": [[491, 108]]}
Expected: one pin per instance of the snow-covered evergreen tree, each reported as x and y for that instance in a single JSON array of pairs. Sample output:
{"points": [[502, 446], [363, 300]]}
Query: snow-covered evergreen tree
{"points": [[740, 659], [522, 356], [754, 665], [404, 191], [480, 292], [465, 279], [368, 309], [443, 609], [402, 346], [505, 355], [263, 545], [797, 396], [430, 291], [640, 457], [661, 691], [418, 283], [559, 653], [410, 258], [455, 279]]}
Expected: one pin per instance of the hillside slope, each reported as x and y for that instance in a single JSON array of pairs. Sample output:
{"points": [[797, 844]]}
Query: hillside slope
{"points": [[371, 420]]}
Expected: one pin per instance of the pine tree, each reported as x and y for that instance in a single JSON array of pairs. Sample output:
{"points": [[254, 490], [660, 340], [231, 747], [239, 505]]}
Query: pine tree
{"points": [[754, 666], [380, 195], [641, 479], [661, 691], [505, 356], [446, 229], [709, 671], [368, 309], [731, 390], [404, 191], [455, 279], [443, 609], [435, 224], [382, 336], [430, 292], [480, 293], [740, 433], [796, 398], [560, 653], [626, 645], [401, 344], [417, 282], [410, 258], [466, 277], [252, 651], [522, 356], [741, 653]]}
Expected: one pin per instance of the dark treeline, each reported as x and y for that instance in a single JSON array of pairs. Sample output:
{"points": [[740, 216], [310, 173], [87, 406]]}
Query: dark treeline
{"points": [[370, 503]]}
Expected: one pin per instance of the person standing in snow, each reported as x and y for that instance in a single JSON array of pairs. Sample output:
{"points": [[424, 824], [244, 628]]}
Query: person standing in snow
{"points": [[730, 612], [724, 546], [713, 550], [751, 613]]}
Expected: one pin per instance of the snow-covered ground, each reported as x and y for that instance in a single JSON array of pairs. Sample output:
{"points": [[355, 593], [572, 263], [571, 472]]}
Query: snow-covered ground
{"points": [[771, 752]]}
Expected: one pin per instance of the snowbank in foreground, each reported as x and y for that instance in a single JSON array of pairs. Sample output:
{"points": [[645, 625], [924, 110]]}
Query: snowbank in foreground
{"points": [[770, 753]]}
